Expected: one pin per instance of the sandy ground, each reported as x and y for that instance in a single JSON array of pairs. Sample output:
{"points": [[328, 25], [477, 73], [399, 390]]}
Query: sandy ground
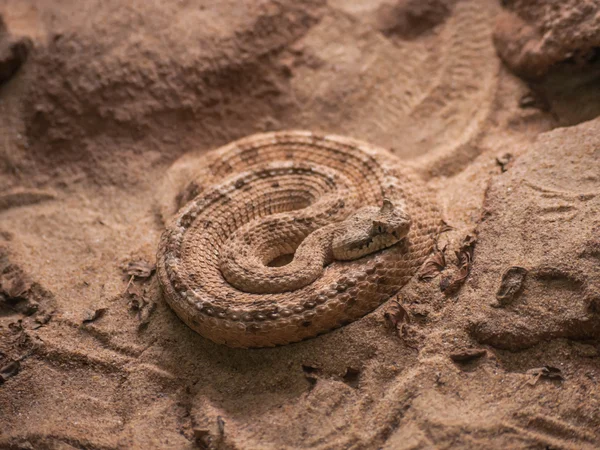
{"points": [[113, 93]]}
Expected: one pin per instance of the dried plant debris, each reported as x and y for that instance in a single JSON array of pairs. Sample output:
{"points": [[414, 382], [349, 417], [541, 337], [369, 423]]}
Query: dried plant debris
{"points": [[140, 304], [203, 438], [435, 264], [136, 295], [504, 161], [221, 425], [351, 376], [9, 370], [145, 314], [139, 269], [535, 100], [445, 284], [209, 437], [511, 285], [547, 372], [451, 284], [467, 355], [397, 316], [445, 227]]}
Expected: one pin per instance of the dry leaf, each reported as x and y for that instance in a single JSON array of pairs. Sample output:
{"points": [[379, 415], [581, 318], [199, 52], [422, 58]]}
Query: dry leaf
{"points": [[9, 370], [136, 296], [511, 284], [434, 265], [139, 269], [221, 425], [397, 316], [547, 372], [535, 100], [445, 228], [449, 285], [203, 438], [504, 161], [144, 315]]}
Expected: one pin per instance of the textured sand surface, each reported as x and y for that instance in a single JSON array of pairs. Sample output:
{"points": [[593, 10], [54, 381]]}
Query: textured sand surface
{"points": [[501, 349]]}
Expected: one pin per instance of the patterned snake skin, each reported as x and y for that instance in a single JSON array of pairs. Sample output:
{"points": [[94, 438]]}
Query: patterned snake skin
{"points": [[300, 195]]}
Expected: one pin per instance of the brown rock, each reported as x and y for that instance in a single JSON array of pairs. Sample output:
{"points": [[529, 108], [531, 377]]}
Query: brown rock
{"points": [[532, 37]]}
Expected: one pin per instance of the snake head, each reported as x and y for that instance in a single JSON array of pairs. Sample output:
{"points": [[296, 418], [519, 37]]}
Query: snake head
{"points": [[391, 220], [371, 229]]}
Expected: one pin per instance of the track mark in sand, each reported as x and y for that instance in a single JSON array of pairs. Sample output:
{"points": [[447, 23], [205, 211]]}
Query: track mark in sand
{"points": [[464, 39], [554, 205], [456, 105], [558, 298], [553, 432], [58, 357], [558, 212], [547, 192], [426, 97], [559, 278], [24, 197], [459, 80], [108, 358], [52, 440]]}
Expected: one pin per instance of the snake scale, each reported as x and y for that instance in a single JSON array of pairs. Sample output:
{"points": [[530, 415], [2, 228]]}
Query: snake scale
{"points": [[291, 234]]}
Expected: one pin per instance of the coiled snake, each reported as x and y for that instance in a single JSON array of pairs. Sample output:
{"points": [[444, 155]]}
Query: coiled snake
{"points": [[353, 224]]}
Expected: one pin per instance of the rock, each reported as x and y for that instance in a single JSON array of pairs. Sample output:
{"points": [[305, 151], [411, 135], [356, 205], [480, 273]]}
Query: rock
{"points": [[532, 37]]}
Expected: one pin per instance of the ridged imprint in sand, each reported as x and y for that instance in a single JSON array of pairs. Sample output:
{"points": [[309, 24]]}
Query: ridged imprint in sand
{"points": [[284, 187]]}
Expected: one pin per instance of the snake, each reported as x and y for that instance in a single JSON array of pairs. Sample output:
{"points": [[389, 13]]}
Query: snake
{"points": [[283, 236]]}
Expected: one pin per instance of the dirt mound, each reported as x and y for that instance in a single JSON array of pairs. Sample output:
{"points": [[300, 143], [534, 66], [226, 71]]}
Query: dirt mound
{"points": [[532, 37], [120, 72], [555, 190]]}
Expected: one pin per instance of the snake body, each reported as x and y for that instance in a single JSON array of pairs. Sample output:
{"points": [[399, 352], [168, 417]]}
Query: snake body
{"points": [[354, 221]]}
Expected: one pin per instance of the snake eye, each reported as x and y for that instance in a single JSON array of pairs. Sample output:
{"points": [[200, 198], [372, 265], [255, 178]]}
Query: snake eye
{"points": [[378, 227]]}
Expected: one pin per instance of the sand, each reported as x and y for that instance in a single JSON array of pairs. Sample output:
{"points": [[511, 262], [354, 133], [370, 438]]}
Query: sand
{"points": [[496, 346]]}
